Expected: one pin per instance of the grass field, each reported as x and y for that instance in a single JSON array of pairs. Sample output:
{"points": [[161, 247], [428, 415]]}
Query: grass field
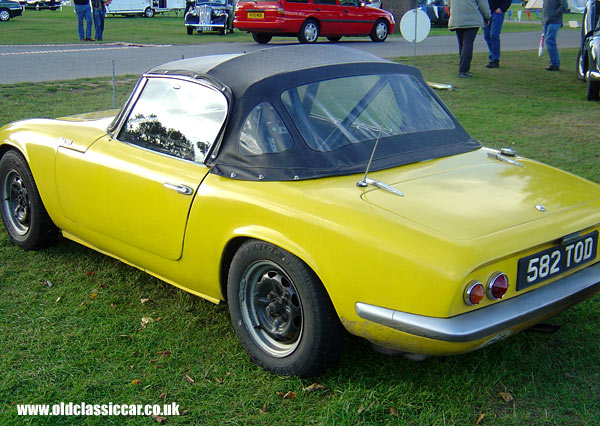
{"points": [[81, 338], [49, 27]]}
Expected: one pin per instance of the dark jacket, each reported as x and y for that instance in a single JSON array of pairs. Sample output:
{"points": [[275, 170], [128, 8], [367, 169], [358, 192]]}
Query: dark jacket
{"points": [[502, 4], [553, 11], [81, 2]]}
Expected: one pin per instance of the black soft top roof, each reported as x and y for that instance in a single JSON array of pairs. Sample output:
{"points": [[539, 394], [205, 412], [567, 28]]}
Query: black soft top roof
{"points": [[262, 76]]}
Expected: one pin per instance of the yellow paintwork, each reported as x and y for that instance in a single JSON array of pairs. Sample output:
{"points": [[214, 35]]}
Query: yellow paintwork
{"points": [[461, 218]]}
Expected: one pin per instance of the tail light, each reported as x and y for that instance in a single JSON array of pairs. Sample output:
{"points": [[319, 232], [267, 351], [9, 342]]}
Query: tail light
{"points": [[474, 293], [497, 286]]}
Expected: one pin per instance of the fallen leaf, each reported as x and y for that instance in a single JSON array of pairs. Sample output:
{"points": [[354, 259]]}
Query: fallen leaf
{"points": [[58, 299], [360, 409], [189, 379], [152, 361], [162, 395], [159, 419], [263, 410], [144, 300], [164, 353], [289, 395], [158, 319], [506, 397], [219, 380], [136, 381], [393, 412], [480, 418], [184, 412], [82, 303], [93, 295], [145, 321], [279, 394], [47, 270], [112, 305], [132, 366], [134, 353], [102, 285], [228, 374], [159, 366], [90, 273], [314, 387]]}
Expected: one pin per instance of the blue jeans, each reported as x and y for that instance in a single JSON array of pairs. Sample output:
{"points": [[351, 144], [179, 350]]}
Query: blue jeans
{"points": [[99, 23], [550, 33], [491, 33], [84, 11]]}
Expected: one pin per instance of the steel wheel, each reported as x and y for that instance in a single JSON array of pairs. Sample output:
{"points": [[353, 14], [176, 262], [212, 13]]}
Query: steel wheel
{"points": [[271, 308], [309, 32], [4, 15], [15, 202], [149, 12]]}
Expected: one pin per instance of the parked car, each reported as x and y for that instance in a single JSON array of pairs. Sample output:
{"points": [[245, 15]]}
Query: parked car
{"points": [[209, 15], [9, 9], [43, 4], [310, 19], [322, 188], [147, 8], [588, 60], [437, 11]]}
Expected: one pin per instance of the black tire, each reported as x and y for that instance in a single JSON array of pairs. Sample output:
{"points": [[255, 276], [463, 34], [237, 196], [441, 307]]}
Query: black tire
{"points": [[223, 31], [334, 39], [190, 30], [280, 311], [4, 15], [593, 90], [380, 30], [262, 38], [309, 31], [580, 67], [149, 12], [23, 213]]}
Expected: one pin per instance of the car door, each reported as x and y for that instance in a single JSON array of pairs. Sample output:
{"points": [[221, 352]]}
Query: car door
{"points": [[137, 188], [328, 13], [354, 18]]}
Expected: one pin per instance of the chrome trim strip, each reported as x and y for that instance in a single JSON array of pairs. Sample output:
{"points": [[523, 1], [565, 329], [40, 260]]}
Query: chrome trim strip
{"points": [[495, 318]]}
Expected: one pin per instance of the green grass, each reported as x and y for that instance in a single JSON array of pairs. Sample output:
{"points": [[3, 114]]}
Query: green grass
{"points": [[60, 343]]}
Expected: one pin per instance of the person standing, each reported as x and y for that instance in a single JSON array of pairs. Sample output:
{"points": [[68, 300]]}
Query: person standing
{"points": [[552, 13], [84, 11], [491, 32], [466, 17], [99, 12]]}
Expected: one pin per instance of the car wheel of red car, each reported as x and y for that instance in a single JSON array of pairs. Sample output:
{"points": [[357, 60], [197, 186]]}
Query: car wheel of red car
{"points": [[281, 312], [334, 39], [23, 213], [580, 68], [309, 31], [4, 15], [380, 30], [262, 38]]}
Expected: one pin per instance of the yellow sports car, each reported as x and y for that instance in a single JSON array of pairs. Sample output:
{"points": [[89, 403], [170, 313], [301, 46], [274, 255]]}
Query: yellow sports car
{"points": [[315, 189]]}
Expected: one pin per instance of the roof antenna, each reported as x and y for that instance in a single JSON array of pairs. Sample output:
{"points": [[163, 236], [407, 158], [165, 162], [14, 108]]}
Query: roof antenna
{"points": [[365, 181]]}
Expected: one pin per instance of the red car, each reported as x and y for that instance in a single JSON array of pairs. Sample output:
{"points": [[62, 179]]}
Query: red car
{"points": [[309, 19]]}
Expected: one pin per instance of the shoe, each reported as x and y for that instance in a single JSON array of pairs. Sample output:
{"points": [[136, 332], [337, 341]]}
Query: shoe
{"points": [[89, 39], [465, 75], [493, 64], [552, 68]]}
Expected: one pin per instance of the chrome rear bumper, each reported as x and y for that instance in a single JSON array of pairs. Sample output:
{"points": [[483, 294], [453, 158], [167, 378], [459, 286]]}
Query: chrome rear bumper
{"points": [[495, 318]]}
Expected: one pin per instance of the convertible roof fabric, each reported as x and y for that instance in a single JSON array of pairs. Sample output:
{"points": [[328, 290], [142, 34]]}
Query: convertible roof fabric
{"points": [[261, 76]]}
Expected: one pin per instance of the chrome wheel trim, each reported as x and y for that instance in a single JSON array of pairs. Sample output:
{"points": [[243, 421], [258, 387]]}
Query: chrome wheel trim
{"points": [[16, 205], [381, 30], [271, 308], [311, 32], [4, 15]]}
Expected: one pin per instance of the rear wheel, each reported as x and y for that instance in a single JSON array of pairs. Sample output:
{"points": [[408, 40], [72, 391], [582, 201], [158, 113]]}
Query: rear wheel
{"points": [[380, 30], [149, 12], [281, 312], [4, 15], [334, 39], [262, 38], [309, 32], [23, 214], [190, 30]]}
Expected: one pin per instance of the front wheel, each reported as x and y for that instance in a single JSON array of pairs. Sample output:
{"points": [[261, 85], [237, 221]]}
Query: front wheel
{"points": [[380, 31], [281, 312], [4, 15], [23, 214], [309, 32], [262, 38], [149, 12]]}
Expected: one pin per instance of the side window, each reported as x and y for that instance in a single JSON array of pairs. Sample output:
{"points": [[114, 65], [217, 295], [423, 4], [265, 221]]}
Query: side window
{"points": [[263, 132], [176, 117], [349, 2], [324, 1]]}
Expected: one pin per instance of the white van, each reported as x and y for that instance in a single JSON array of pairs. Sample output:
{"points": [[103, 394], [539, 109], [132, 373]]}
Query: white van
{"points": [[145, 8]]}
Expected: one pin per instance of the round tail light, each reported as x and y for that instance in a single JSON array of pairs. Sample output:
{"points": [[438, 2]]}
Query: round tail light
{"points": [[497, 286], [474, 293]]}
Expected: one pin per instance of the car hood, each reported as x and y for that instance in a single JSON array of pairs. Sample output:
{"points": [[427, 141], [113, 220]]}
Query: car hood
{"points": [[474, 196]]}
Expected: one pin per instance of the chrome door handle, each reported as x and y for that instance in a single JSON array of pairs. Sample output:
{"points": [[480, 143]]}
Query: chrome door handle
{"points": [[182, 189]]}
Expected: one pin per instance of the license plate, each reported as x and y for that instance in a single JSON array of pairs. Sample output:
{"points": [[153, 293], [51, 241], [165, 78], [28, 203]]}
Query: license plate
{"points": [[256, 15], [205, 28], [554, 261]]}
